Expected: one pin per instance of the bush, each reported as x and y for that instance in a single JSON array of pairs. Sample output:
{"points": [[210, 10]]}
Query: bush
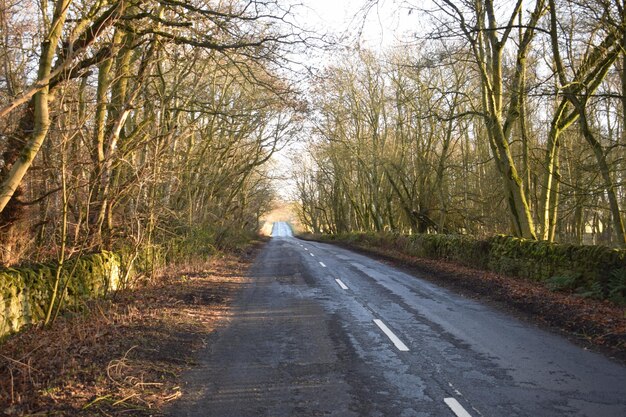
{"points": [[141, 262], [567, 282], [458, 248], [616, 287]]}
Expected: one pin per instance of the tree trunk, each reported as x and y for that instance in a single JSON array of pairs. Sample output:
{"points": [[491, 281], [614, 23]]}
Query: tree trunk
{"points": [[609, 185], [560, 122], [521, 217], [41, 111]]}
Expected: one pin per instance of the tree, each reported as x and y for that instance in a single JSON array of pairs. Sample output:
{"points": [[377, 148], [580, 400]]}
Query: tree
{"points": [[174, 109], [583, 82], [487, 38]]}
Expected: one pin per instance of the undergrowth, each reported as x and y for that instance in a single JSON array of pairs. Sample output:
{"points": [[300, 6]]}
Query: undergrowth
{"points": [[123, 355]]}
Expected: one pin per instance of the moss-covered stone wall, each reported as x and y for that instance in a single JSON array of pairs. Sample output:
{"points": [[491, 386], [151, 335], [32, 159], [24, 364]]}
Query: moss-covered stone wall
{"points": [[25, 292]]}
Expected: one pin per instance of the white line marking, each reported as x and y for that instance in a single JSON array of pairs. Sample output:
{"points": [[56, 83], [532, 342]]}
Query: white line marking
{"points": [[457, 392], [311, 254], [322, 263], [305, 249], [456, 407], [401, 346], [341, 284]]}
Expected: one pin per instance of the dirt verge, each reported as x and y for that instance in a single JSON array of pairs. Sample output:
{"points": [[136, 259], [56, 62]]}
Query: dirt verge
{"points": [[598, 325], [121, 356]]}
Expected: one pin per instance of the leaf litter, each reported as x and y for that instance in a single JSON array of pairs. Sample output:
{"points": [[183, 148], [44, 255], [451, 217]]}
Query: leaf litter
{"points": [[124, 355]]}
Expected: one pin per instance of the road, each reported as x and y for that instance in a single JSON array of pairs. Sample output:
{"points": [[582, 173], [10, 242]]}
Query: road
{"points": [[323, 331]]}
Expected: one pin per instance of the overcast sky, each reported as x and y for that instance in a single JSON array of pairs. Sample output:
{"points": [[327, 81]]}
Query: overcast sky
{"points": [[375, 24]]}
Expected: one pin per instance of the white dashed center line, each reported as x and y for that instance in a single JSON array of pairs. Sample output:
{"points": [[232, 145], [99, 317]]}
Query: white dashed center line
{"points": [[341, 284], [305, 249], [396, 341], [311, 254], [322, 263], [456, 407], [455, 390]]}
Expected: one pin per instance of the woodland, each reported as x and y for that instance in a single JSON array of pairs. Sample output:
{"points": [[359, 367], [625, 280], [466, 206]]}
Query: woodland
{"points": [[138, 135], [497, 117], [129, 124]]}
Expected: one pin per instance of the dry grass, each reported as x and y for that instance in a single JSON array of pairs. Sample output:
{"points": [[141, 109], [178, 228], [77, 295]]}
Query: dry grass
{"points": [[121, 356]]}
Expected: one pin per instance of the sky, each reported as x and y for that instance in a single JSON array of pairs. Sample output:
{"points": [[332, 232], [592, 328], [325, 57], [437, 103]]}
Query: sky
{"points": [[377, 25], [374, 23], [351, 21]]}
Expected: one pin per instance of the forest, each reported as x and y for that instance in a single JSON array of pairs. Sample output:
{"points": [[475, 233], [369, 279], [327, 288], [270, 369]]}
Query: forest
{"points": [[127, 124], [495, 118]]}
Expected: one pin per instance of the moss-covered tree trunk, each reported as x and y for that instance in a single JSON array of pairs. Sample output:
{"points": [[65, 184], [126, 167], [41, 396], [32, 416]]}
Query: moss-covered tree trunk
{"points": [[41, 111], [609, 184], [519, 210], [99, 141], [589, 74], [488, 47], [561, 120]]}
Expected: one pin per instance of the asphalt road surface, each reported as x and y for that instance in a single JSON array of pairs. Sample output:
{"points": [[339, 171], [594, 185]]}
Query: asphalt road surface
{"points": [[322, 331]]}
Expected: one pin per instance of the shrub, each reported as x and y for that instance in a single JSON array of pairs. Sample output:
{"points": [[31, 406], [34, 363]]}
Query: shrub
{"points": [[616, 287], [567, 282]]}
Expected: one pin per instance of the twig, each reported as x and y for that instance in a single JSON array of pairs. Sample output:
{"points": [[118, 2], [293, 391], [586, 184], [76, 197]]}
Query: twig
{"points": [[138, 384], [116, 363], [99, 308], [25, 365], [104, 397], [173, 397], [12, 387], [124, 399]]}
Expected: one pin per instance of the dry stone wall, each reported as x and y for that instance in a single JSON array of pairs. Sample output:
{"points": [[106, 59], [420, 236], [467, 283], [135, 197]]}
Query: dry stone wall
{"points": [[26, 291]]}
